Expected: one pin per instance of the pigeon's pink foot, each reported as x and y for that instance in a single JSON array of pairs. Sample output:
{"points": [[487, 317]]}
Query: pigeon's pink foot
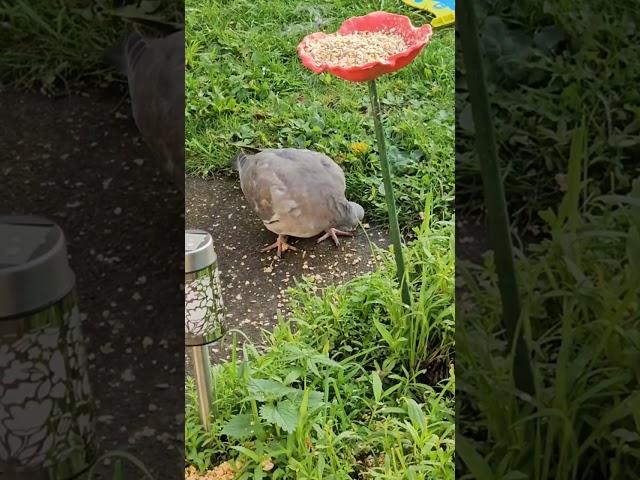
{"points": [[333, 233], [281, 245]]}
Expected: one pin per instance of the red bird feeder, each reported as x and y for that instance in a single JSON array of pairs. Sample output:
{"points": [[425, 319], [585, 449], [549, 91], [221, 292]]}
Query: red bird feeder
{"points": [[415, 38]]}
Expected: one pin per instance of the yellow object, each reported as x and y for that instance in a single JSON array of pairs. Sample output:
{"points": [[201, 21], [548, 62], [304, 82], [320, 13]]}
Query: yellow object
{"points": [[359, 147], [443, 10]]}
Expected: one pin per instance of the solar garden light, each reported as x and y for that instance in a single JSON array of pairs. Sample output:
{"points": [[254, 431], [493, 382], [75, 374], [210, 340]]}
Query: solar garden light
{"points": [[204, 312], [46, 405]]}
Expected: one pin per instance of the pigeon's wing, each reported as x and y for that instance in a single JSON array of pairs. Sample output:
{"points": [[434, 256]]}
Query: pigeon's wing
{"points": [[317, 161], [264, 188], [155, 70], [289, 196]]}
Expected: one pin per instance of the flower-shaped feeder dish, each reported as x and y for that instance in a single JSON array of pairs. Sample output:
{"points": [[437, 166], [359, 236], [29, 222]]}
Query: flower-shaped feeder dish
{"points": [[372, 26], [46, 404]]}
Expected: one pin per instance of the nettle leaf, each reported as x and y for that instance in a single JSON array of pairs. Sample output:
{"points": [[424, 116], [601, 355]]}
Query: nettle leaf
{"points": [[316, 399], [265, 390], [240, 426], [293, 376], [283, 414]]}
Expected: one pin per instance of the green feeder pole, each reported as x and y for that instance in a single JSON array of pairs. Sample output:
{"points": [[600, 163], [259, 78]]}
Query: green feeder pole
{"points": [[394, 227]]}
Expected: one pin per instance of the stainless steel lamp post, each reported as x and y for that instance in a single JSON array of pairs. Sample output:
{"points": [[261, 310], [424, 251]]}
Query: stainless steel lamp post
{"points": [[46, 406], [204, 312]]}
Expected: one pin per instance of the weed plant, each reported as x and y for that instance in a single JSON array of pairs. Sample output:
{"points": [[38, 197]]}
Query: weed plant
{"points": [[352, 386]]}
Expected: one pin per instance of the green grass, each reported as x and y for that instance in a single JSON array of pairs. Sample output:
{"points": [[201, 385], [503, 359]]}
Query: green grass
{"points": [[580, 317], [247, 87], [579, 287], [353, 386], [547, 65], [51, 45], [118, 471], [335, 320]]}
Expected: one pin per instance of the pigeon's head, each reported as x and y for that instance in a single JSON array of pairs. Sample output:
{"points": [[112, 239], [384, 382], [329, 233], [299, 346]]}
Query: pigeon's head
{"points": [[354, 215]]}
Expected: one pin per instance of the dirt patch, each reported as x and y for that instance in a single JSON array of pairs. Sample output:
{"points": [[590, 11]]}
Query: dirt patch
{"points": [[254, 283], [79, 161]]}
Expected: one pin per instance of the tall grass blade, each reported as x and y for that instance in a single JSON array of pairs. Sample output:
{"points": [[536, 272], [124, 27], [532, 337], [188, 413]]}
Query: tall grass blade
{"points": [[91, 474], [569, 209], [498, 216], [475, 463]]}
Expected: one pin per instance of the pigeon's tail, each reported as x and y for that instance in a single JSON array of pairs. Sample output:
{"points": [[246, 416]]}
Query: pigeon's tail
{"points": [[238, 161]]}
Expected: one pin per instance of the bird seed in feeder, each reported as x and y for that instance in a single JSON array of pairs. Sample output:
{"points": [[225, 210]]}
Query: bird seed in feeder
{"points": [[356, 49]]}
